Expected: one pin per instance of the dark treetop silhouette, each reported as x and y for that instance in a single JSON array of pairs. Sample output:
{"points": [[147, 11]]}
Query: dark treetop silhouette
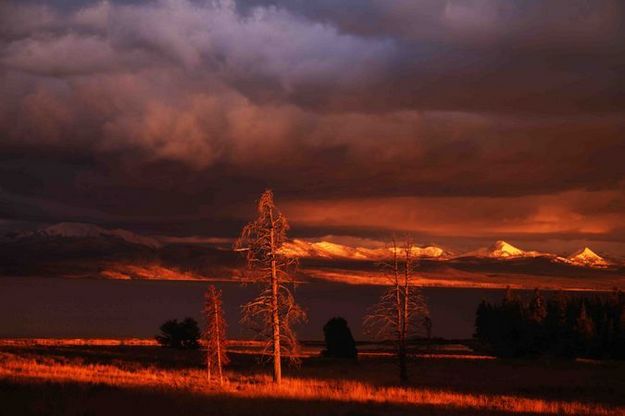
{"points": [[182, 335], [563, 326], [339, 340]]}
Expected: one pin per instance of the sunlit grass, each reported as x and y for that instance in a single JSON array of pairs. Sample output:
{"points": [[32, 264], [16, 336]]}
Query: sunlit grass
{"points": [[44, 369], [104, 342]]}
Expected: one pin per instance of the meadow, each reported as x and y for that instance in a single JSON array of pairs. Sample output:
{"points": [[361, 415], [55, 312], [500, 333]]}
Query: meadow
{"points": [[106, 377]]}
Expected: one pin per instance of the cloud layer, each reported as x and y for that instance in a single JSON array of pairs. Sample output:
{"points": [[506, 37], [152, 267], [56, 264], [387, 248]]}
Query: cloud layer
{"points": [[462, 118]]}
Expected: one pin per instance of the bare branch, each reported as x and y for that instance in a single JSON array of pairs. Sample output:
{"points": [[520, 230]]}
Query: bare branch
{"points": [[401, 311], [274, 312]]}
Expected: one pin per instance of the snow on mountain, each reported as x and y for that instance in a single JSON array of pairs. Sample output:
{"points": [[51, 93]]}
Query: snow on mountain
{"points": [[587, 257], [324, 249], [430, 251], [502, 250], [329, 250], [82, 230]]}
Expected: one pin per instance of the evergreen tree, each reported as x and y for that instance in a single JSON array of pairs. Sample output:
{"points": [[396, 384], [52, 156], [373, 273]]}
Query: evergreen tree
{"points": [[482, 322], [591, 327], [511, 326], [537, 309], [556, 324], [536, 315], [619, 336], [584, 330]]}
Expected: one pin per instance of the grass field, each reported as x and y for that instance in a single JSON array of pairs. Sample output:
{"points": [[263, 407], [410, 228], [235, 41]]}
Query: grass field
{"points": [[134, 379]]}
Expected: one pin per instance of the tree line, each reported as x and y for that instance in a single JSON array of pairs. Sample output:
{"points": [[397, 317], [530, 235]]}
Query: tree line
{"points": [[561, 326]]}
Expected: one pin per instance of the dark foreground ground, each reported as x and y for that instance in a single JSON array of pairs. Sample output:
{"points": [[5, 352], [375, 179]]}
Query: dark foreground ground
{"points": [[446, 380]]}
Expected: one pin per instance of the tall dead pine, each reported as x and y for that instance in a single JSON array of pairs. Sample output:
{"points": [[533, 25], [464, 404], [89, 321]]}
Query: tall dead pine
{"points": [[215, 335], [274, 312], [402, 311]]}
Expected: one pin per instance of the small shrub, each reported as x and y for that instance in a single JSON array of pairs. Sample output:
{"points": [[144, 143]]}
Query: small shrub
{"points": [[339, 340], [181, 335]]}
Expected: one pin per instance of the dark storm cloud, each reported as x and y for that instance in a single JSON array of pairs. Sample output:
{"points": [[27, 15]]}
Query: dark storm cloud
{"points": [[521, 24], [486, 55], [172, 116]]}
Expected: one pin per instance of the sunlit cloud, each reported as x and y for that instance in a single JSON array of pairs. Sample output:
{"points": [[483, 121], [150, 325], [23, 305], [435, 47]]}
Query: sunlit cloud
{"points": [[565, 213]]}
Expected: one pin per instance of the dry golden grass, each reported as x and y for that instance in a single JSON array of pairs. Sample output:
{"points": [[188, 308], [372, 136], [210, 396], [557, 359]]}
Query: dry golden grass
{"points": [[48, 342], [16, 368], [109, 342]]}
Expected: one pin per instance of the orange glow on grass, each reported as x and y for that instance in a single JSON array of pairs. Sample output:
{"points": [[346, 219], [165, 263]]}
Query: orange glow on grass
{"points": [[42, 369]]}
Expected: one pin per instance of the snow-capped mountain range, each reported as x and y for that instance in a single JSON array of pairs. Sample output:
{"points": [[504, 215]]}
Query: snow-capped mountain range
{"points": [[82, 230], [500, 252], [503, 250], [329, 250]]}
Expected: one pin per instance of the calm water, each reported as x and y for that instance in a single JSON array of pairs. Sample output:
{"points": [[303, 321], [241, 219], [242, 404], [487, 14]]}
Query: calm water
{"points": [[49, 307]]}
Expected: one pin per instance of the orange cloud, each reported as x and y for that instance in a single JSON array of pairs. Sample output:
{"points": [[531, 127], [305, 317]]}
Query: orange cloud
{"points": [[567, 212]]}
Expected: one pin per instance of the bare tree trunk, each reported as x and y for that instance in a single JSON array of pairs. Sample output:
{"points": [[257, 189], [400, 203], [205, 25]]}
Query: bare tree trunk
{"points": [[215, 335], [218, 345], [208, 369], [403, 376], [396, 315], [401, 303], [277, 365], [273, 313], [401, 318]]}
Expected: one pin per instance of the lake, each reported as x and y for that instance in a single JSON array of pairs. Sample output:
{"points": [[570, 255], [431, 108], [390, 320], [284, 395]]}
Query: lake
{"points": [[94, 308]]}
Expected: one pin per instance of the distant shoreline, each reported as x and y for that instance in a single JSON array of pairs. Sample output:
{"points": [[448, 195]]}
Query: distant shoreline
{"points": [[514, 282]]}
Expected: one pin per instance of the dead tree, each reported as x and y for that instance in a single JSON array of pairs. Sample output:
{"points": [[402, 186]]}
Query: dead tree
{"points": [[215, 335], [274, 312], [402, 311]]}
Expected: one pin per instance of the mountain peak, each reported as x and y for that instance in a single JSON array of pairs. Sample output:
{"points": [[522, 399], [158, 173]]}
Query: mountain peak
{"points": [[504, 249], [588, 252], [587, 257], [501, 250]]}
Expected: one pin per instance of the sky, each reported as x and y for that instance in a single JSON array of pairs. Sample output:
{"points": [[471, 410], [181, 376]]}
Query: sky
{"points": [[460, 122]]}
